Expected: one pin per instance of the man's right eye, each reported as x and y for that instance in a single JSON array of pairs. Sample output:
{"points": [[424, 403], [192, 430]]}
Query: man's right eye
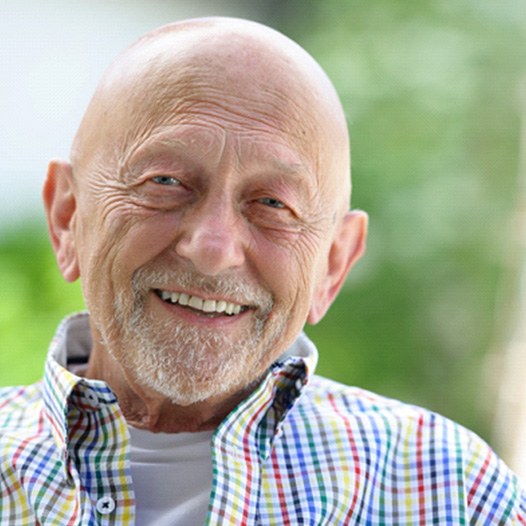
{"points": [[166, 180]]}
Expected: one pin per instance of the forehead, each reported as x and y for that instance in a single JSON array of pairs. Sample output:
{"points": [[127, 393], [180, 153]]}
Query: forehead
{"points": [[246, 106], [201, 113], [261, 78], [214, 142]]}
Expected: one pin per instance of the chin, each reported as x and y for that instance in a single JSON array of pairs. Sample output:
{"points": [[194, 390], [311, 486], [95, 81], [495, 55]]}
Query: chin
{"points": [[185, 390]]}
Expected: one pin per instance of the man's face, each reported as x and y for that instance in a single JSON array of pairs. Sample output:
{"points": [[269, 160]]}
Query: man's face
{"points": [[201, 233]]}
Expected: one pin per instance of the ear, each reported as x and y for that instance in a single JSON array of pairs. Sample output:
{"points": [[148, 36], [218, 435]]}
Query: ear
{"points": [[347, 248], [60, 205]]}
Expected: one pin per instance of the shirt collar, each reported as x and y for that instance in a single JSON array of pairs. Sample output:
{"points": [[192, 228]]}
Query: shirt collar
{"points": [[260, 415], [256, 422], [68, 351]]}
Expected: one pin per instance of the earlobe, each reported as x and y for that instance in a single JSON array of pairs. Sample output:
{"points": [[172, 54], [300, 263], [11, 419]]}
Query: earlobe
{"points": [[346, 249], [60, 206]]}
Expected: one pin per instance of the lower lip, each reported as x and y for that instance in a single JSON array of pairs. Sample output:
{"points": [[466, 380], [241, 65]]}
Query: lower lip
{"points": [[194, 316]]}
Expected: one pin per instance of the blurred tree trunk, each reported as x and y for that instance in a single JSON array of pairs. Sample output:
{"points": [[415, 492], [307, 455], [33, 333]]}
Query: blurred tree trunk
{"points": [[510, 414]]}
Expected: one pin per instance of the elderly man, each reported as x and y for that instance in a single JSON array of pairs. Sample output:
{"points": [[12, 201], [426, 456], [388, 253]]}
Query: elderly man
{"points": [[205, 208]]}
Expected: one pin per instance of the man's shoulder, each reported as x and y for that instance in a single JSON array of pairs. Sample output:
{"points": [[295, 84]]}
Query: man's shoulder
{"points": [[324, 392], [383, 436], [374, 415]]}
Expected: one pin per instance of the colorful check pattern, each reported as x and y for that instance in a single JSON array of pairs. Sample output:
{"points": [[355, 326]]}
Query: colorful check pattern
{"points": [[300, 450]]}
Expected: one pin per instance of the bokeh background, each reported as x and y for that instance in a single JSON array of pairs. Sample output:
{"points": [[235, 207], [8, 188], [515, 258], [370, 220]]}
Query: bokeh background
{"points": [[432, 314]]}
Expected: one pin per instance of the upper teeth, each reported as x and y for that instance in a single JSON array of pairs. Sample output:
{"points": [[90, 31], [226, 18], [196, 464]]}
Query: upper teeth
{"points": [[200, 304]]}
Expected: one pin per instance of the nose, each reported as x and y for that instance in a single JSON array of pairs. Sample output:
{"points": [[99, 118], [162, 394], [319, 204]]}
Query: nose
{"points": [[211, 239]]}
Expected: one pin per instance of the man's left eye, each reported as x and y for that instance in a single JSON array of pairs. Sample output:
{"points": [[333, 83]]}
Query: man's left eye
{"points": [[166, 180], [273, 203]]}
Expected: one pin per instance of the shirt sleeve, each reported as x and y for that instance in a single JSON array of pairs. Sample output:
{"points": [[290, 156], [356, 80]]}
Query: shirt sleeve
{"points": [[494, 495]]}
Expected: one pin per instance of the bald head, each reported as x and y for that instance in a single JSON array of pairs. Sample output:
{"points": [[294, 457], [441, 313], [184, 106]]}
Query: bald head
{"points": [[198, 65]]}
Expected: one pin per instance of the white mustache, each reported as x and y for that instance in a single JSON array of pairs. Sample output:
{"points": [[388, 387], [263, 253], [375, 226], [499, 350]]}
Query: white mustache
{"points": [[233, 288]]}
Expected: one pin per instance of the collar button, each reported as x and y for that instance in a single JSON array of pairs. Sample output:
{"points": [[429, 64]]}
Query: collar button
{"points": [[91, 399], [105, 505]]}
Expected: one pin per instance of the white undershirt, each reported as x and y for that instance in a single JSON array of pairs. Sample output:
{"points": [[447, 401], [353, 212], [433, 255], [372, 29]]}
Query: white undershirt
{"points": [[172, 477]]}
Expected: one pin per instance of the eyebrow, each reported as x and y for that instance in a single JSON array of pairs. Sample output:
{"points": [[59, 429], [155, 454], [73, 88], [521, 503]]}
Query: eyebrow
{"points": [[157, 147], [148, 154], [292, 168]]}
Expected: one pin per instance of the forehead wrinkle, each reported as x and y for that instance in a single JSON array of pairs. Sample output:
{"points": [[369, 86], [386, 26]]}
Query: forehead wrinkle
{"points": [[238, 113], [167, 142], [251, 98]]}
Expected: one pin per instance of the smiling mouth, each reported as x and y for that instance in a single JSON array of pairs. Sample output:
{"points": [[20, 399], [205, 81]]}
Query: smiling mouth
{"points": [[201, 305]]}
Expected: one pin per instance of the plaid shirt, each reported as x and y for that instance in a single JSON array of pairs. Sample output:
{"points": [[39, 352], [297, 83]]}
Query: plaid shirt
{"points": [[300, 450]]}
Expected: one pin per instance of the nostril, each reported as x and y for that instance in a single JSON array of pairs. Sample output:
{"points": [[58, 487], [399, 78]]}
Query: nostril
{"points": [[211, 252]]}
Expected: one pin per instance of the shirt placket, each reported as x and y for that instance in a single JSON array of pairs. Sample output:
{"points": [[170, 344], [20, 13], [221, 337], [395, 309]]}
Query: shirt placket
{"points": [[98, 445]]}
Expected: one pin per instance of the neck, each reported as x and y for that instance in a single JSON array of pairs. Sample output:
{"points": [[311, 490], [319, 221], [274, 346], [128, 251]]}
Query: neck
{"points": [[146, 409], [158, 414]]}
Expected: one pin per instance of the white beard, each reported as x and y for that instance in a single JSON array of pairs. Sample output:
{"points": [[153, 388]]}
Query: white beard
{"points": [[182, 362]]}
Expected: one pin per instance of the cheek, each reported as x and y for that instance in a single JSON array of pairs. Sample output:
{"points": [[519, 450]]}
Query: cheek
{"points": [[110, 250], [130, 237], [289, 269]]}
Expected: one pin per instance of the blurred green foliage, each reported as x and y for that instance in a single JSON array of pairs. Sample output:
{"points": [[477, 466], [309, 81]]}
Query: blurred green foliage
{"points": [[430, 90], [33, 299]]}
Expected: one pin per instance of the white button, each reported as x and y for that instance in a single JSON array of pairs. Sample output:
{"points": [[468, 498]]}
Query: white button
{"points": [[91, 397], [105, 505]]}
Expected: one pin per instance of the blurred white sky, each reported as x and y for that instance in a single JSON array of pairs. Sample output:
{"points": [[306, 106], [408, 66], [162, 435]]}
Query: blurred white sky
{"points": [[52, 55]]}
